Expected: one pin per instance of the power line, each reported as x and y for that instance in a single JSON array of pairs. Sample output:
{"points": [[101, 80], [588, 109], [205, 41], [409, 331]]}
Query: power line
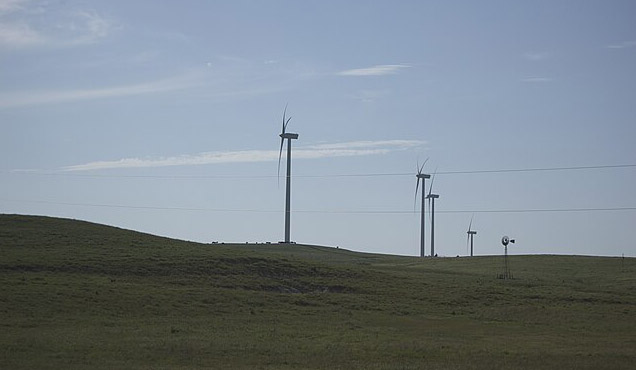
{"points": [[377, 212], [394, 174], [156, 208], [607, 209], [470, 172], [540, 169]]}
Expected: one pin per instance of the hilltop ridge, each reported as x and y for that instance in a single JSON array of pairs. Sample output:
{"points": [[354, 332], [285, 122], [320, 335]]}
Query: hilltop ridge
{"points": [[119, 298]]}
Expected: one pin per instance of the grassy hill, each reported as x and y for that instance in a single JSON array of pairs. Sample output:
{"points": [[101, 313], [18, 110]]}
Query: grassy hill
{"points": [[80, 295]]}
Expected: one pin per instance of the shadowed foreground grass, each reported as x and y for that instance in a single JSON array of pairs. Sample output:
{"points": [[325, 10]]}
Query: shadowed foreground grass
{"points": [[80, 295]]}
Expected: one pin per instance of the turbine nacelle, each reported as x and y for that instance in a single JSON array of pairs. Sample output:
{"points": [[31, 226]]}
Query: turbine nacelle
{"points": [[432, 196], [288, 135], [423, 176], [472, 232]]}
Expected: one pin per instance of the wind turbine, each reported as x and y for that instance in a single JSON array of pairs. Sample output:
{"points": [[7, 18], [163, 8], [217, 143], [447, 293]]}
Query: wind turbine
{"points": [[471, 233], [431, 205], [423, 177], [289, 136]]}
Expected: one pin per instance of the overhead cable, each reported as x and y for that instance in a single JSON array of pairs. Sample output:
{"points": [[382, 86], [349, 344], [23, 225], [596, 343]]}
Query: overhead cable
{"points": [[379, 212], [388, 174]]}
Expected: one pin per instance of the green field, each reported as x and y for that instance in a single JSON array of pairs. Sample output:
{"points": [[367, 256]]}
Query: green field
{"points": [[80, 295]]}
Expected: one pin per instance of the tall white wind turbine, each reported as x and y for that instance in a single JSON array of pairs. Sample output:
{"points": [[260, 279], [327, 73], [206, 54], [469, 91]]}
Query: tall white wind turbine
{"points": [[471, 233], [423, 177], [431, 200], [289, 136]]}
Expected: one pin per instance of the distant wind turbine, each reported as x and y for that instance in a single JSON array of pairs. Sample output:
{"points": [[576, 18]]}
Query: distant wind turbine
{"points": [[431, 201], [471, 233], [289, 136], [423, 177]]}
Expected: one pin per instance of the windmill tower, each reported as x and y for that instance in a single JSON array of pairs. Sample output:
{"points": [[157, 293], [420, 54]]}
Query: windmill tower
{"points": [[505, 240], [423, 177], [431, 205], [471, 233], [289, 136]]}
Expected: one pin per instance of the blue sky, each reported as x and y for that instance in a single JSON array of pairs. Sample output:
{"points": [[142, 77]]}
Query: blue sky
{"points": [[164, 117]]}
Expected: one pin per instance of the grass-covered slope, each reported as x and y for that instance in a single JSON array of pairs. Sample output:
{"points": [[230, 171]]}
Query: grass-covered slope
{"points": [[80, 295]]}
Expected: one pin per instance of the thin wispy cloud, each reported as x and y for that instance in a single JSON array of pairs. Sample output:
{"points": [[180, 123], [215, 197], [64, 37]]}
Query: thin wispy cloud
{"points": [[218, 81], [394, 144], [88, 27], [622, 45], [15, 31], [8, 6], [30, 98], [347, 149], [369, 95], [536, 79], [18, 35], [379, 70], [29, 24], [536, 56]]}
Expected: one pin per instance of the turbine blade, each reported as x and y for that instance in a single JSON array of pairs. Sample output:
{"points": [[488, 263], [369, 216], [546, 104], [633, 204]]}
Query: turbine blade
{"points": [[284, 125], [282, 140], [424, 164], [430, 189], [417, 186], [280, 154], [468, 236], [421, 168]]}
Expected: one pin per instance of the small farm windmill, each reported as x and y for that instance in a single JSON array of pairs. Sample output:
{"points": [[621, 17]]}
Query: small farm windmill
{"points": [[505, 240]]}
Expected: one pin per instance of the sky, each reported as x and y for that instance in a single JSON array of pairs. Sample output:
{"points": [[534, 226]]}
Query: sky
{"points": [[163, 117]]}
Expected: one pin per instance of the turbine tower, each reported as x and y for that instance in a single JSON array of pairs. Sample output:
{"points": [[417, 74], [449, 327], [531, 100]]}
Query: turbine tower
{"points": [[431, 205], [471, 233], [423, 177], [289, 136]]}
